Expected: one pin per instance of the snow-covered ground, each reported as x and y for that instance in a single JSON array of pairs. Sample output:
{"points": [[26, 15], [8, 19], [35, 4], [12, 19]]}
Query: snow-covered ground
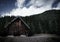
{"points": [[35, 38]]}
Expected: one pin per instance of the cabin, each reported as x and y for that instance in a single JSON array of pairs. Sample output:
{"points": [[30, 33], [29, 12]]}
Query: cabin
{"points": [[17, 27]]}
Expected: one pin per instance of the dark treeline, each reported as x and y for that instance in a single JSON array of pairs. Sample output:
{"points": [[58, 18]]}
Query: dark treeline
{"points": [[47, 22]]}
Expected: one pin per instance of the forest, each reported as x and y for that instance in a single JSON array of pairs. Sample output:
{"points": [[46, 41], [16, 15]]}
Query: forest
{"points": [[47, 22]]}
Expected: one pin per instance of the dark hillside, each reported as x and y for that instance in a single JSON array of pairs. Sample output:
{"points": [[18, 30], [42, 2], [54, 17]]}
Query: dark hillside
{"points": [[47, 22]]}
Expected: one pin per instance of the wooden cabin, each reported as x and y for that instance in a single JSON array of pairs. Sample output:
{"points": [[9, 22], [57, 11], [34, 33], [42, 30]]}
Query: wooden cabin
{"points": [[17, 27]]}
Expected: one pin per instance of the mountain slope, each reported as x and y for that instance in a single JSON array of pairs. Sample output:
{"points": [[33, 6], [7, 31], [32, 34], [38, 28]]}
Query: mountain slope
{"points": [[47, 22]]}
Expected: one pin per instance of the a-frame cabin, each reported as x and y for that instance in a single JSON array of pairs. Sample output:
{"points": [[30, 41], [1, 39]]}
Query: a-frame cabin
{"points": [[17, 27]]}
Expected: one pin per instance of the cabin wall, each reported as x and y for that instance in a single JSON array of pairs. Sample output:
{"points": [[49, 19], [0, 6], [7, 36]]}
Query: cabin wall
{"points": [[17, 28]]}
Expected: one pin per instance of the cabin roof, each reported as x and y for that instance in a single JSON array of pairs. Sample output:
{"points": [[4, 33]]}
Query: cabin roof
{"points": [[15, 20]]}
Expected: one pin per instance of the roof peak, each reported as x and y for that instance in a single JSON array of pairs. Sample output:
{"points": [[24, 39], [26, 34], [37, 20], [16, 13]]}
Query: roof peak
{"points": [[16, 19]]}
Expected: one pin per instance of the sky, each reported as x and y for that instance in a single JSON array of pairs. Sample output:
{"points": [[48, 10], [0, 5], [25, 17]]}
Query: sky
{"points": [[26, 7]]}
